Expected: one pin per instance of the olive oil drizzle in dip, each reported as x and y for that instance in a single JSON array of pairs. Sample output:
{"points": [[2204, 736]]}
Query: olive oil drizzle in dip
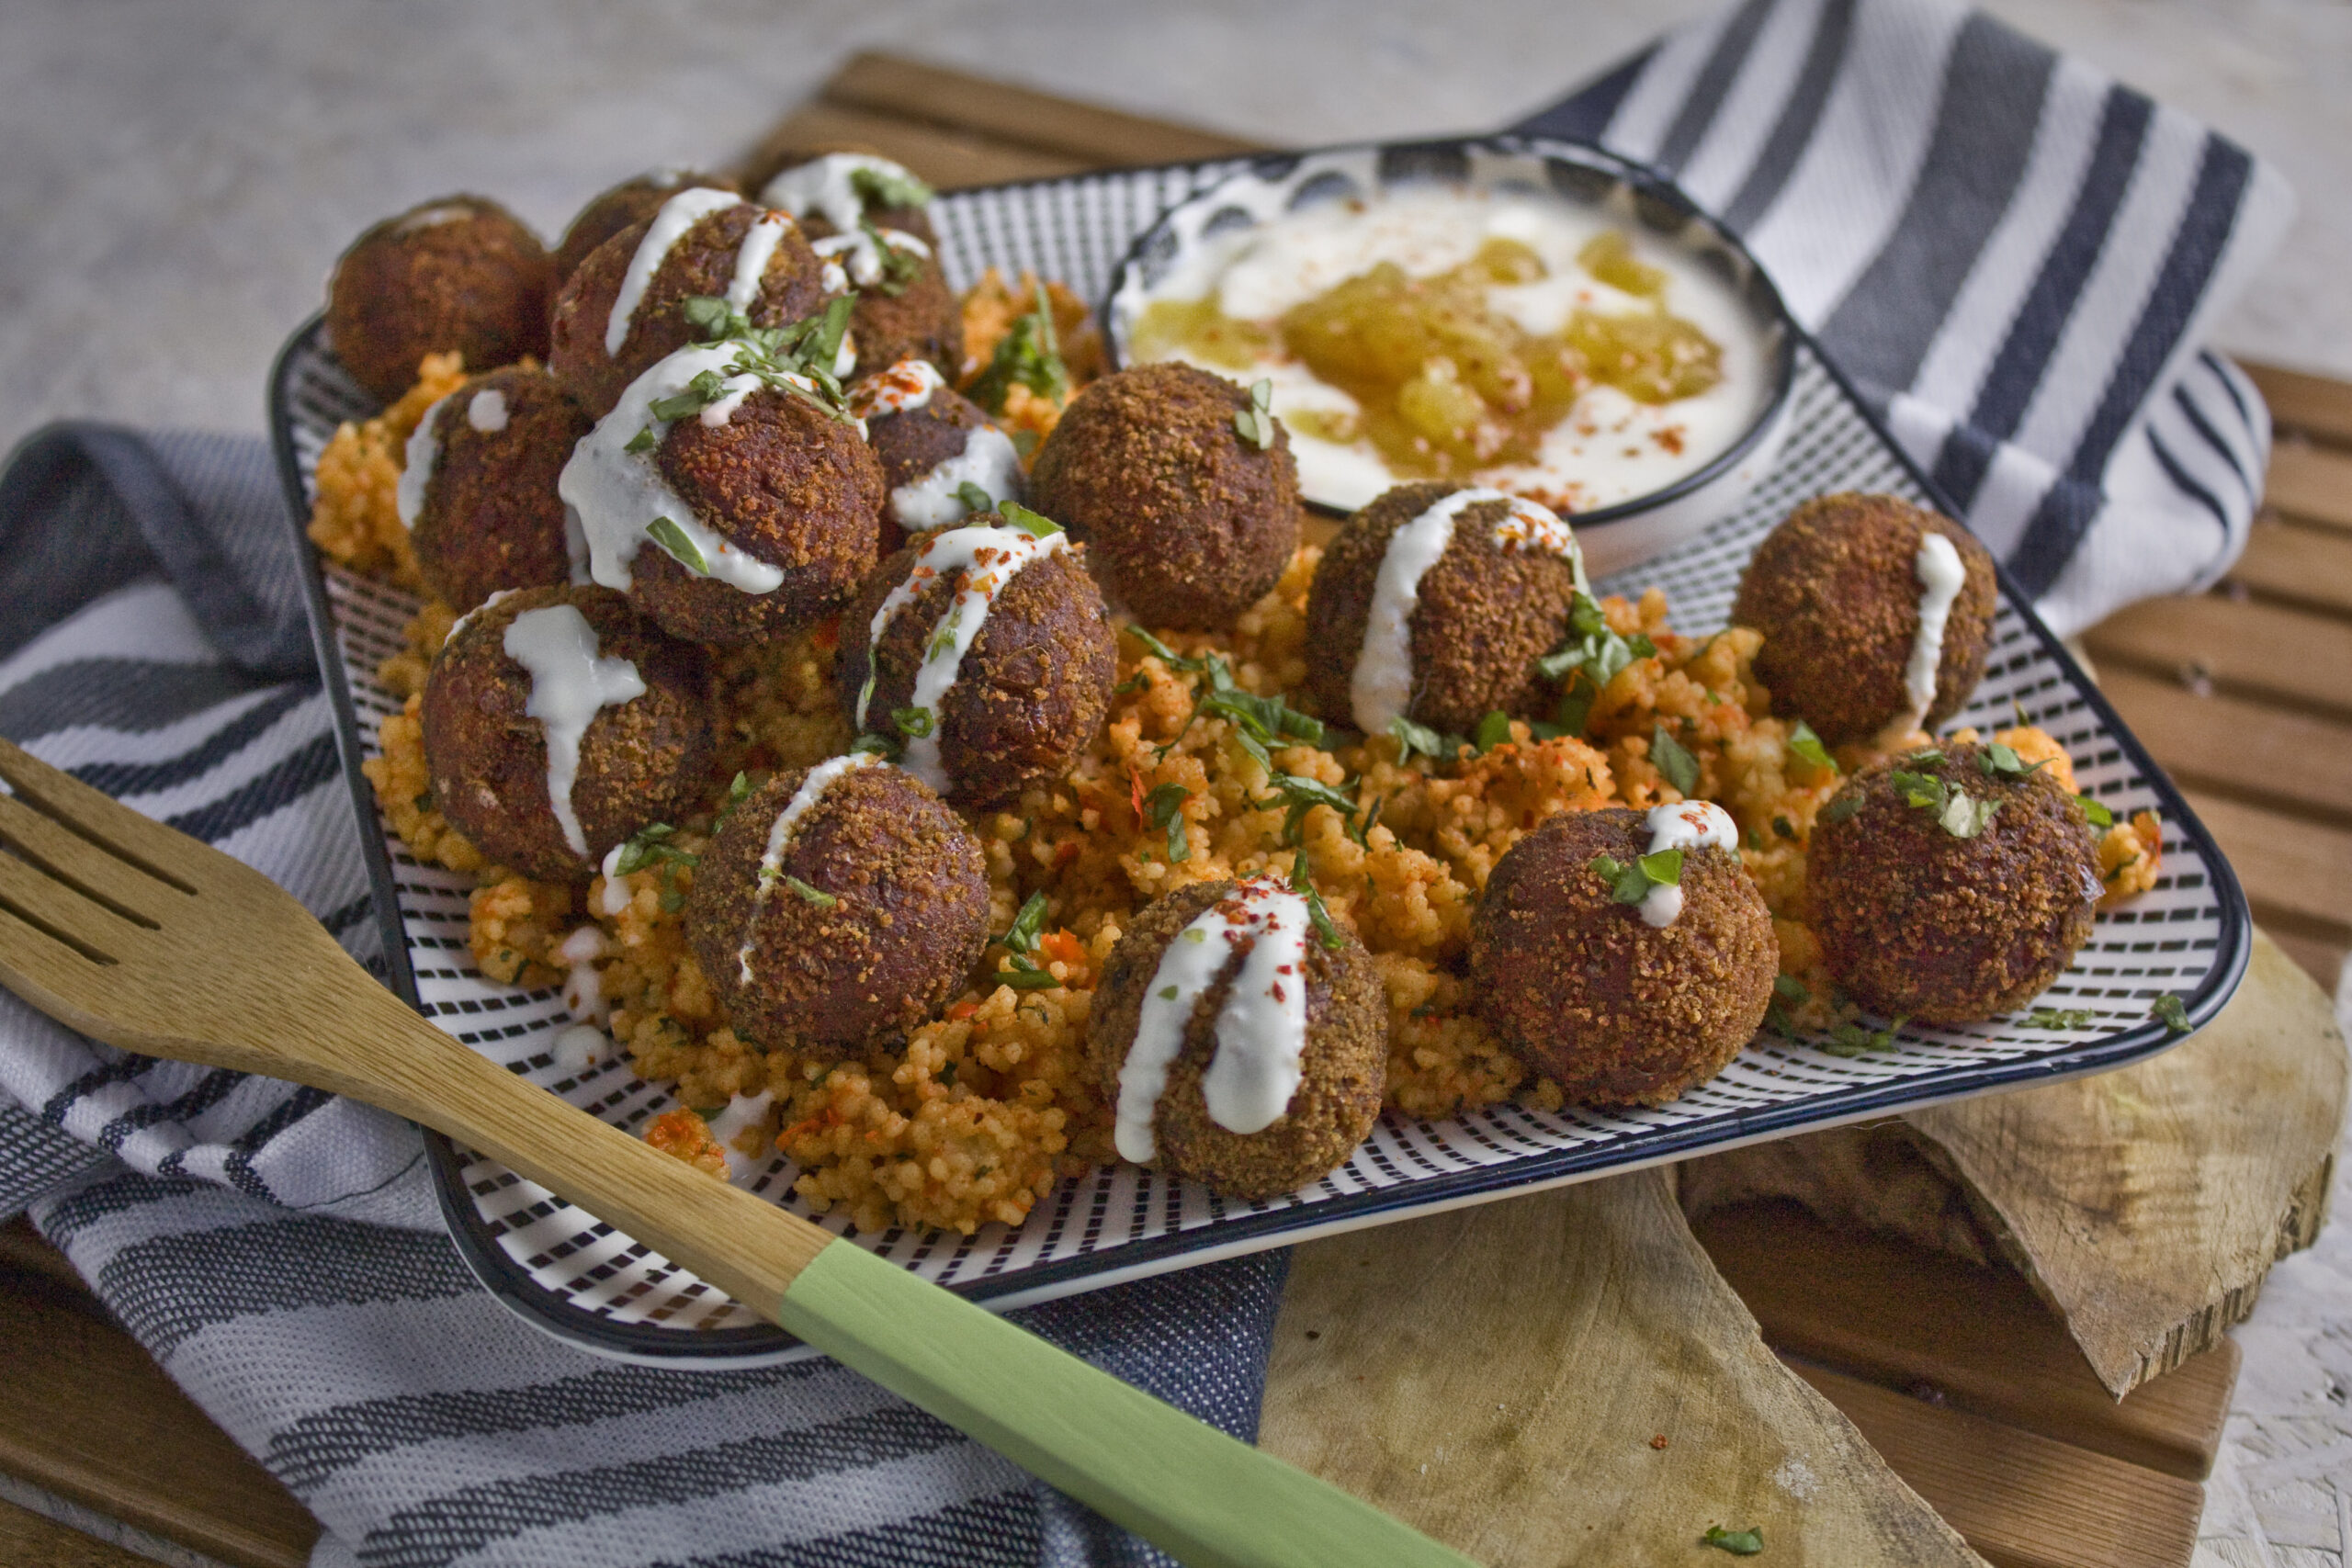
{"points": [[570, 684], [788, 821], [1941, 575], [618, 494], [1381, 689], [1686, 825], [984, 560], [1260, 1031]]}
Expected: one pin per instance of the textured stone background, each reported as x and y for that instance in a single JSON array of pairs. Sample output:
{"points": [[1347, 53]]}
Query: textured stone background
{"points": [[179, 175]]}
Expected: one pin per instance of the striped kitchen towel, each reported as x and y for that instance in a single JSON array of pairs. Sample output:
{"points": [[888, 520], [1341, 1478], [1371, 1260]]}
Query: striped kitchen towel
{"points": [[2013, 255], [279, 1250]]}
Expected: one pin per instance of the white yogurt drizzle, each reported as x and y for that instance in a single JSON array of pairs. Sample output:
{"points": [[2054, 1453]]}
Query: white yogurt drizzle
{"points": [[987, 460], [823, 186], [569, 684], [1381, 689], [583, 987], [1686, 825], [1260, 1033], [580, 1046], [905, 386], [677, 215], [487, 411], [433, 217], [743, 1112], [417, 462], [616, 890], [1941, 575], [986, 559], [618, 493], [812, 789], [752, 256], [497, 596]]}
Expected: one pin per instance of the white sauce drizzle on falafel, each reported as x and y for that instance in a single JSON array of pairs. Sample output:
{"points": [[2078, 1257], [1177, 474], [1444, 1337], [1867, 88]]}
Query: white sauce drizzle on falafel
{"points": [[1260, 1032], [570, 684], [752, 256], [812, 789], [677, 215], [1380, 689], [1686, 825], [418, 460], [827, 186], [618, 495], [933, 501], [743, 1113], [904, 387], [986, 560], [1941, 575], [487, 411]]}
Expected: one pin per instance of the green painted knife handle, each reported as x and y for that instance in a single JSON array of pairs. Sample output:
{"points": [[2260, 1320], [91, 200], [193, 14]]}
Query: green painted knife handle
{"points": [[1183, 1485]]}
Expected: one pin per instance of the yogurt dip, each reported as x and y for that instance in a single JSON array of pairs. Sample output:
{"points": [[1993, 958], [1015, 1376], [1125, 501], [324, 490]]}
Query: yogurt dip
{"points": [[1583, 360]]}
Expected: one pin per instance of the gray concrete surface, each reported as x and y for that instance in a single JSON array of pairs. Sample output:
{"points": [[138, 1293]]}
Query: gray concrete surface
{"points": [[179, 175]]}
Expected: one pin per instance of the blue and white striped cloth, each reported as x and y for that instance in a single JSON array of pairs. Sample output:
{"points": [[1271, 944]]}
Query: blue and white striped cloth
{"points": [[2012, 257]]}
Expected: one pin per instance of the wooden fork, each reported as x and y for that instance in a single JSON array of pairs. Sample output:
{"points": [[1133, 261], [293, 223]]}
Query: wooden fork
{"points": [[139, 935]]}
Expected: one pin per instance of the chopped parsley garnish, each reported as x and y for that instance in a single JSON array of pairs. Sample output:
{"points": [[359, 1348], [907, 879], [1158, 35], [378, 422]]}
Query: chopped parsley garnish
{"points": [[808, 895], [1164, 807], [1255, 424], [1630, 881], [1297, 797], [1020, 940], [1361, 831], [2167, 1010], [643, 441], [1493, 731], [1300, 883], [1961, 815], [901, 265], [1739, 1543], [974, 498], [707, 388], [874, 745], [2094, 811], [1788, 991], [1588, 662], [1036, 524], [2059, 1018], [1262, 725], [737, 793], [1852, 1039], [888, 187], [1996, 760], [1164, 654], [914, 722], [1420, 738], [650, 845], [676, 546], [1028, 355], [1807, 745], [1674, 759], [775, 356], [1841, 808]]}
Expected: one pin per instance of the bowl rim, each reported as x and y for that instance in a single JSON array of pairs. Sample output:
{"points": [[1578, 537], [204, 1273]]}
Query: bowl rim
{"points": [[1644, 181]]}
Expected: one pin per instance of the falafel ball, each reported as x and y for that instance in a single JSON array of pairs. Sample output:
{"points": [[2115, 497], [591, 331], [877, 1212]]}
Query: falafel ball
{"points": [[775, 502], [933, 441], [1190, 523], [1836, 591], [642, 757], [1916, 921], [1342, 1060], [877, 907], [479, 492], [1032, 685], [457, 273], [905, 309], [701, 261], [1587, 990], [1483, 614], [631, 201]]}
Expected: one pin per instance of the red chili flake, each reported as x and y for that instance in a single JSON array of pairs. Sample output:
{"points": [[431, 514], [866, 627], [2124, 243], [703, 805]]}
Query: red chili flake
{"points": [[1659, 1442], [1671, 438], [1276, 990], [1134, 789]]}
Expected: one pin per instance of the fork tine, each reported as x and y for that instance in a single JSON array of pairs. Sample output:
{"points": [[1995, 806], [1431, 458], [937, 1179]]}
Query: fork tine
{"points": [[63, 915], [97, 874], [137, 841]]}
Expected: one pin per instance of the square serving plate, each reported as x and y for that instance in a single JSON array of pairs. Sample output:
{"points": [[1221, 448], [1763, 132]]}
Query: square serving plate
{"points": [[570, 1274]]}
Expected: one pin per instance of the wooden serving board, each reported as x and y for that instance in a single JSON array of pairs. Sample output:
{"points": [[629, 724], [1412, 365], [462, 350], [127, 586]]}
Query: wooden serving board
{"points": [[1957, 1376]]}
